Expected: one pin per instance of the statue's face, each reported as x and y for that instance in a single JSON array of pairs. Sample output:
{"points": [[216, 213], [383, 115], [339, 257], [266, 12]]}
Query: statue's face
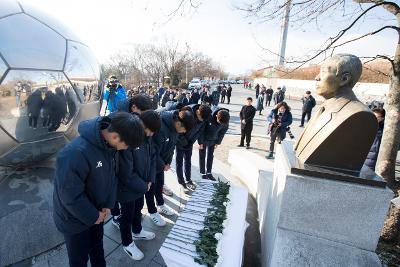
{"points": [[328, 82]]}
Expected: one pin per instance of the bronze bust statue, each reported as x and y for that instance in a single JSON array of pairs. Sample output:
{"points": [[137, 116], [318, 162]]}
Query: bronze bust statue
{"points": [[341, 132]]}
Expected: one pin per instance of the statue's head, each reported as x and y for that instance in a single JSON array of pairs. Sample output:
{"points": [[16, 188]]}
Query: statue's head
{"points": [[338, 74]]}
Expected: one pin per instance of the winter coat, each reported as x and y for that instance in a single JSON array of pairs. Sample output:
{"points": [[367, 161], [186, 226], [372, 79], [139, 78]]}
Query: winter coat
{"points": [[260, 102], [137, 167], [247, 113], [308, 103], [165, 140], [286, 120], [194, 99], [155, 101], [374, 151], [269, 92], [185, 101], [34, 103], [85, 178], [215, 98], [170, 105], [165, 98], [186, 141], [279, 96], [229, 91], [213, 132], [114, 98]]}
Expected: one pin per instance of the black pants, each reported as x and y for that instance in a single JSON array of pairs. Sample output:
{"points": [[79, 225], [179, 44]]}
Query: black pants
{"points": [[85, 245], [155, 192], [130, 222], [183, 155], [268, 102], [303, 116], [33, 121], [246, 133], [229, 99], [223, 99], [274, 136], [209, 150]]}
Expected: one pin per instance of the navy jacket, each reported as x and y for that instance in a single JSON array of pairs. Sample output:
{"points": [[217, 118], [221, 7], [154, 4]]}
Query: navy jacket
{"points": [[85, 178], [195, 98], [137, 167], [165, 140], [186, 141], [374, 151], [286, 120], [213, 132]]}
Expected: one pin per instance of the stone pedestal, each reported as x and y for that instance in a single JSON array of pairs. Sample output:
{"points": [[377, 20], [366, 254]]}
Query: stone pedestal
{"points": [[314, 221]]}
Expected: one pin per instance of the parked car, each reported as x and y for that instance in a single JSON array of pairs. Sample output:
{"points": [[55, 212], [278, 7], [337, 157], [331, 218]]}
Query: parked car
{"points": [[195, 84]]}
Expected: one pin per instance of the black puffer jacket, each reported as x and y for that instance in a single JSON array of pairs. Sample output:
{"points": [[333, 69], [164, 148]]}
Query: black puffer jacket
{"points": [[373, 152], [213, 132]]}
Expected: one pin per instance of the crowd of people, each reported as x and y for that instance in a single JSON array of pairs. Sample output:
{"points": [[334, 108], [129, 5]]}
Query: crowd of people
{"points": [[52, 108], [119, 161]]}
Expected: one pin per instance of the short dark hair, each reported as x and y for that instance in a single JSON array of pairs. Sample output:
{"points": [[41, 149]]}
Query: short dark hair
{"points": [[205, 111], [186, 118], [142, 102], [223, 116], [308, 92], [380, 111], [249, 98], [283, 104], [151, 120], [128, 126]]}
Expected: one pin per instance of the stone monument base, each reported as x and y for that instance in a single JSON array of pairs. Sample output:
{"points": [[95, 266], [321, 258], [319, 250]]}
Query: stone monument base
{"points": [[308, 218], [319, 221]]}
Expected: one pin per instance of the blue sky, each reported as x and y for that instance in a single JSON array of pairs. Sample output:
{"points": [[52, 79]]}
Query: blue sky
{"points": [[215, 28]]}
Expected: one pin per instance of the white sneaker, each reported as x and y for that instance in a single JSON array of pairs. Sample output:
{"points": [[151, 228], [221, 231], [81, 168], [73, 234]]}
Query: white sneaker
{"points": [[166, 191], [134, 252], [164, 209], [157, 219], [144, 235]]}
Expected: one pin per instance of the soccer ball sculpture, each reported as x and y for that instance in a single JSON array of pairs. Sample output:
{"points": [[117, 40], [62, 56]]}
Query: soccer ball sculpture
{"points": [[49, 82]]}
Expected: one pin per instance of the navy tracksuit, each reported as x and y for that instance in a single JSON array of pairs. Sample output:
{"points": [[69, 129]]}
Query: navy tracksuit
{"points": [[85, 182], [212, 135], [184, 148], [164, 143], [136, 170]]}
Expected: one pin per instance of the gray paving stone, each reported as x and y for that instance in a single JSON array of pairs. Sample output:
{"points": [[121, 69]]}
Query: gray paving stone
{"points": [[159, 259]]}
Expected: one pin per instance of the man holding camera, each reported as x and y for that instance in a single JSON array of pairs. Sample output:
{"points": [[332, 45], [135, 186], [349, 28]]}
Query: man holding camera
{"points": [[113, 94]]}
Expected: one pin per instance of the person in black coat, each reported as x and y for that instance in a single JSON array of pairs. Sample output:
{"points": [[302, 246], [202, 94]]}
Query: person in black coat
{"points": [[184, 145], [269, 94], [223, 95], [210, 138], [229, 93], [279, 120], [308, 104], [34, 104], [247, 114], [135, 176], [257, 87], [47, 106], [215, 97], [194, 99], [85, 183], [374, 151]]}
